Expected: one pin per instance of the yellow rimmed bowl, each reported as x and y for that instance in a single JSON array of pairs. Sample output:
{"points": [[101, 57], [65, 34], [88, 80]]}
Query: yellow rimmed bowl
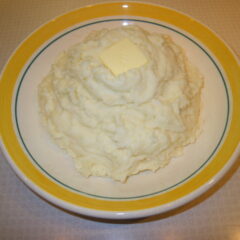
{"points": [[51, 173]]}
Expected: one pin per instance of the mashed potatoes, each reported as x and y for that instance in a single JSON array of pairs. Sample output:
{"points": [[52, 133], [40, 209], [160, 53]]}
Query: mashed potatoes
{"points": [[117, 126]]}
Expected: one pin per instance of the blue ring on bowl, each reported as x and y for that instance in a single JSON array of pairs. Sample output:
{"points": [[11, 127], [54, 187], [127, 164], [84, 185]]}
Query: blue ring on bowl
{"points": [[132, 197]]}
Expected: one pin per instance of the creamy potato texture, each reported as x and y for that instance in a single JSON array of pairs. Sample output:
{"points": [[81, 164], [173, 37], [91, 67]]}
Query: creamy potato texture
{"points": [[120, 125]]}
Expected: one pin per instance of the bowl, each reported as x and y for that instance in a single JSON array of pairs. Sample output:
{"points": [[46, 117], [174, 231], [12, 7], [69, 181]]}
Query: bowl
{"points": [[50, 172]]}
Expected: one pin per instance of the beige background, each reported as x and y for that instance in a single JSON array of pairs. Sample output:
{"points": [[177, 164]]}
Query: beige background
{"points": [[23, 215]]}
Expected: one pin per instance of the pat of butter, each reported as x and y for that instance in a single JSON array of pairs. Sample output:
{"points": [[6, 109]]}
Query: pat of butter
{"points": [[123, 56]]}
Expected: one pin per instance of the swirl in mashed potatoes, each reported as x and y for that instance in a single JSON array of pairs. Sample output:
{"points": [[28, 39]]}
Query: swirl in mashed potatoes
{"points": [[118, 126]]}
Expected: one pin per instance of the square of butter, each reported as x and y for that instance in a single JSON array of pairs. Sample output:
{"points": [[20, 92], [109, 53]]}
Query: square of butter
{"points": [[122, 56]]}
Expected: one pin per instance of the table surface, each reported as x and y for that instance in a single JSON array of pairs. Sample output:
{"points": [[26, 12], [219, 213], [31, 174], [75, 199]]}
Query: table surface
{"points": [[24, 215]]}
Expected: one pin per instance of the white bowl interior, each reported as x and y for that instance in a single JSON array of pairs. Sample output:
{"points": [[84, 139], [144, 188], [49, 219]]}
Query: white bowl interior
{"points": [[58, 166]]}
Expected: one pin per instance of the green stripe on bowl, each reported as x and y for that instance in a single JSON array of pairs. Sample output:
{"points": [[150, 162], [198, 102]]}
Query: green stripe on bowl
{"points": [[119, 198]]}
